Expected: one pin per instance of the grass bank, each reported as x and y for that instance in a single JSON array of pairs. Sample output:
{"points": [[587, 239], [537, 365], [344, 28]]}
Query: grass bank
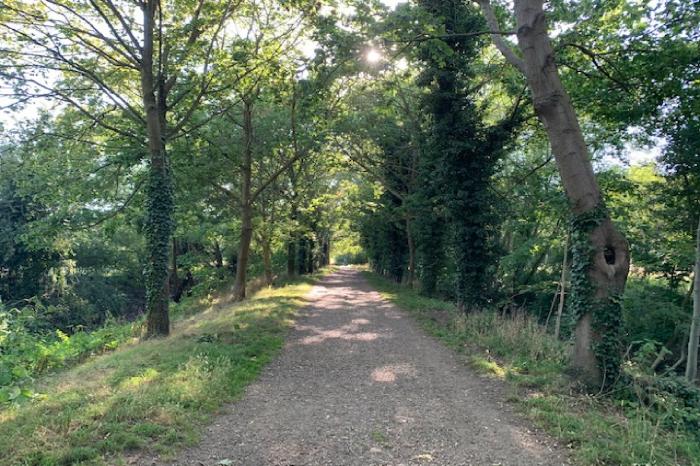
{"points": [[599, 430], [154, 395]]}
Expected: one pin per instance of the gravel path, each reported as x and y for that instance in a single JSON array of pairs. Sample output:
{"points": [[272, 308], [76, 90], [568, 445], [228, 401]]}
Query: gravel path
{"points": [[358, 383]]}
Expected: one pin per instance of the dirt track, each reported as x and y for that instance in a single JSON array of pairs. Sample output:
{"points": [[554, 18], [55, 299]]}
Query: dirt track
{"points": [[358, 383]]}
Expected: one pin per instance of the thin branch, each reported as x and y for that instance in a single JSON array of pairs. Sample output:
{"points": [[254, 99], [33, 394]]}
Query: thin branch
{"points": [[121, 208]]}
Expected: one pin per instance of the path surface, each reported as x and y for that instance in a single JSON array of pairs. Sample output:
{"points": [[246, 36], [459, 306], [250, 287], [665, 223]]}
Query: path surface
{"points": [[358, 383]]}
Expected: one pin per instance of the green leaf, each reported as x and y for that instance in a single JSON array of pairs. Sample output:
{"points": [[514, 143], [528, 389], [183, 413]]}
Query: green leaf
{"points": [[5, 376], [20, 372]]}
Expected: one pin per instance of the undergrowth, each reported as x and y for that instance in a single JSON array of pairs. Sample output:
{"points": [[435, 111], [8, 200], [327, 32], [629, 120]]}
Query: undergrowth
{"points": [[153, 395], [646, 421]]}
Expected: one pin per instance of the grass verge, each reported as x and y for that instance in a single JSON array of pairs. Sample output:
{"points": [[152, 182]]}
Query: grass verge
{"points": [[154, 395], [599, 430]]}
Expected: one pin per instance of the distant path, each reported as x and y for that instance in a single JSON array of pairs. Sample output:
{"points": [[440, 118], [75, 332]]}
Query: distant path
{"points": [[358, 383]]}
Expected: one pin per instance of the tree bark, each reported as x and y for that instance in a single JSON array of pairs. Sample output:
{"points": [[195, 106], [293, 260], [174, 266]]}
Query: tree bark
{"points": [[310, 256], [411, 254], [691, 368], [562, 289], [218, 255], [174, 273], [267, 260], [610, 251], [246, 204], [159, 196], [326, 249], [291, 258]]}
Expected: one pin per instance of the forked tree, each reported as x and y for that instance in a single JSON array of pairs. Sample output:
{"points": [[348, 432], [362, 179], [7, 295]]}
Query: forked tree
{"points": [[600, 252]]}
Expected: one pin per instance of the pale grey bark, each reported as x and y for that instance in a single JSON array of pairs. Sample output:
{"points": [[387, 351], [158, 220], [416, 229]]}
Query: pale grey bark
{"points": [[562, 289], [691, 369]]}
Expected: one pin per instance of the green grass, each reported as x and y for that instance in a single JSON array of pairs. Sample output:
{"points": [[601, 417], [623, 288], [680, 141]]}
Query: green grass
{"points": [[154, 395], [598, 430]]}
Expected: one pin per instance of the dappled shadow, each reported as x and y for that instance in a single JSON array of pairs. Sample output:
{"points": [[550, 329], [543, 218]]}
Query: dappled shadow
{"points": [[359, 384], [349, 331], [147, 395]]}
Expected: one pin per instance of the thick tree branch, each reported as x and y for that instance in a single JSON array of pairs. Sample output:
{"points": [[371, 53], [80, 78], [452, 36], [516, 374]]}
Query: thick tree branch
{"points": [[501, 44]]}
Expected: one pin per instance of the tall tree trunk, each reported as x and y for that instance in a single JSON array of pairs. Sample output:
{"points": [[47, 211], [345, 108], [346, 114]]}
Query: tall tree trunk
{"points": [[293, 245], [174, 275], [600, 252], [302, 245], [159, 190], [562, 289], [246, 204], [691, 368], [291, 258], [267, 260], [411, 254], [218, 255], [310, 256], [326, 249]]}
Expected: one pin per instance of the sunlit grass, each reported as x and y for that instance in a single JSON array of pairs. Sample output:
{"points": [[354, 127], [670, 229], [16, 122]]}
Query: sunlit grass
{"points": [[153, 395], [534, 363]]}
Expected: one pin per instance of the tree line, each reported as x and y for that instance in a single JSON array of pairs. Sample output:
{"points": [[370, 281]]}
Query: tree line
{"points": [[181, 143]]}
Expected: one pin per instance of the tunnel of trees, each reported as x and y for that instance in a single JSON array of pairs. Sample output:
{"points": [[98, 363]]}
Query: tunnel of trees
{"points": [[509, 158]]}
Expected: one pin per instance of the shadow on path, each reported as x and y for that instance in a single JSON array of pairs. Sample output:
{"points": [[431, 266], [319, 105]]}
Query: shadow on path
{"points": [[358, 383]]}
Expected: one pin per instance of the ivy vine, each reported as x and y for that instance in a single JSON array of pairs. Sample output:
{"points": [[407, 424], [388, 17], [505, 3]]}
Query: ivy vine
{"points": [[606, 313], [158, 228]]}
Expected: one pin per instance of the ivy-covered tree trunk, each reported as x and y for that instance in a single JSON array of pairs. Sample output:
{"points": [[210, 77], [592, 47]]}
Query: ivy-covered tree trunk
{"points": [[691, 369], [246, 204], [159, 190], [430, 247], [600, 253]]}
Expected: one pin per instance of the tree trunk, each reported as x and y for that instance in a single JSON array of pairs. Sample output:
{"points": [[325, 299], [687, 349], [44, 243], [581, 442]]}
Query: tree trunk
{"points": [[600, 252], [691, 368], [562, 289], [159, 193], [411, 255], [608, 262], [302, 245], [218, 256], [310, 256], [246, 204], [267, 260], [291, 258], [325, 249], [174, 275]]}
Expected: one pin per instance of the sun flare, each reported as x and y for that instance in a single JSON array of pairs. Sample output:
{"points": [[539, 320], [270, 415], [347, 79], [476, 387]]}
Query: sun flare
{"points": [[373, 56]]}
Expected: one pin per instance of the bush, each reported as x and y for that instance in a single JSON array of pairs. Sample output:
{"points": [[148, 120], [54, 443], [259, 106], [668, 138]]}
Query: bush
{"points": [[653, 311], [25, 354]]}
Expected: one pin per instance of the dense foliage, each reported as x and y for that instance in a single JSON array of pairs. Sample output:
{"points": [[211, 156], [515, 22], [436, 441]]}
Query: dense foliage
{"points": [[155, 153]]}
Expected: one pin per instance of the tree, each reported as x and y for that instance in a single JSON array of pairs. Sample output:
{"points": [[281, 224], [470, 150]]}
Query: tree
{"points": [[691, 370], [600, 253], [103, 55], [463, 151]]}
